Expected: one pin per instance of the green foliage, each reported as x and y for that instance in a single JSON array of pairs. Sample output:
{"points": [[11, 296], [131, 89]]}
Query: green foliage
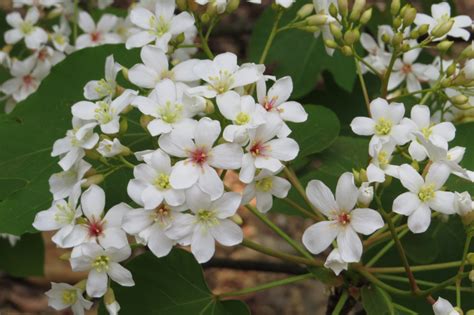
{"points": [[29, 132], [298, 54], [24, 259], [376, 301], [171, 285]]}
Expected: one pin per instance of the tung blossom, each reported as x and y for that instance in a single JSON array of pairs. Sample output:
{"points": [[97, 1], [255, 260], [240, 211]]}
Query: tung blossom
{"points": [[62, 296], [106, 87], [97, 34], [344, 221], [25, 28]]}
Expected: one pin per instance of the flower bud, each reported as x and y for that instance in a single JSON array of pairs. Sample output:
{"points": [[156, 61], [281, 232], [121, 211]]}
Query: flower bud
{"points": [[397, 39], [409, 16], [111, 303], [209, 109], [65, 256], [205, 18], [366, 195], [366, 16], [93, 180], [330, 44], [81, 285], [145, 120], [459, 99], [356, 175], [346, 51], [415, 165], [446, 83], [468, 52], [123, 125], [397, 22], [92, 154], [54, 14], [125, 73], [343, 7], [406, 47], [444, 45], [414, 34], [358, 5], [335, 30], [395, 7], [451, 69], [386, 38], [469, 69], [179, 39], [237, 219], [232, 5], [351, 36], [457, 310], [333, 11], [471, 312], [363, 176], [470, 258], [305, 11], [316, 20], [309, 29], [423, 29], [442, 29], [182, 4]]}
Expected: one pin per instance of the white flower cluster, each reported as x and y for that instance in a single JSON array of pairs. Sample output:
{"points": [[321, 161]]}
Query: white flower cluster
{"points": [[178, 191]]}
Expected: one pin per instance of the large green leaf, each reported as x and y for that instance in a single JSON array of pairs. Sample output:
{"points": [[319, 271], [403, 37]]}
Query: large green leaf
{"points": [[24, 259], [318, 132], [28, 133], [172, 285], [376, 301], [298, 54]]}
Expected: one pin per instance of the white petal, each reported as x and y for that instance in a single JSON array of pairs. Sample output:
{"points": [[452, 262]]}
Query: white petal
{"points": [[159, 244], [346, 192], [227, 233], [319, 236], [227, 205], [93, 202], [363, 126], [410, 178], [350, 245], [210, 182], [285, 149], [120, 275], [406, 203], [96, 283], [292, 111], [202, 245], [443, 202], [184, 175], [226, 156], [321, 197], [419, 221], [366, 221]]}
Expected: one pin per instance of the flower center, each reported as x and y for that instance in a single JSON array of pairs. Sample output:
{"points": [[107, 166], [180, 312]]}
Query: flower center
{"points": [[43, 54], [242, 118], [257, 148], [382, 158], [222, 82], [28, 80], [69, 297], [269, 104], [105, 88], [26, 28], [95, 36], [406, 68], [383, 127], [167, 74], [427, 131], [199, 156], [101, 263], [426, 193], [158, 27], [344, 218], [162, 182], [60, 39], [96, 228], [170, 113], [162, 215], [102, 112], [265, 184], [207, 217], [64, 214]]}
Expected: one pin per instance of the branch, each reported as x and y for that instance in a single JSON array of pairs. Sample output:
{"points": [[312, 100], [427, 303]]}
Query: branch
{"points": [[255, 265]]}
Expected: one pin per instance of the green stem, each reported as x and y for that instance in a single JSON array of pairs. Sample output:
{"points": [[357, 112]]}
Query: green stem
{"points": [[452, 264], [283, 256], [363, 86], [461, 269], [340, 304], [125, 162], [410, 94], [381, 284], [266, 286], [280, 232], [368, 65], [404, 309], [384, 250], [271, 37], [421, 282], [205, 45], [296, 206], [442, 285], [386, 77]]}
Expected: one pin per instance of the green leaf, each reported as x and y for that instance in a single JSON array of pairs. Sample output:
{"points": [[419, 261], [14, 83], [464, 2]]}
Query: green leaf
{"points": [[28, 133], [376, 301], [298, 54], [318, 132], [421, 248], [172, 285], [24, 259]]}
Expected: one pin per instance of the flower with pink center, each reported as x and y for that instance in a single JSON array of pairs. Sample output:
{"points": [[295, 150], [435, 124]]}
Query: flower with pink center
{"points": [[265, 152], [344, 221], [99, 34], [200, 157]]}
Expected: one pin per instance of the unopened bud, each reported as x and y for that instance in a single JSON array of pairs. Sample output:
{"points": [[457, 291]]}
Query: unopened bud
{"points": [[182, 4], [469, 70], [388, 181], [145, 120], [365, 195], [397, 39], [397, 22], [113, 307], [330, 44], [93, 180], [366, 16], [444, 45], [205, 18], [109, 296], [414, 34], [65, 256], [446, 83], [471, 312], [309, 29], [316, 20], [395, 7], [415, 165], [347, 51], [81, 285], [386, 38], [363, 176], [471, 275], [335, 30], [179, 39], [459, 99], [442, 29], [356, 175], [123, 125], [405, 47], [232, 5], [343, 7], [333, 11], [351, 36], [409, 16], [423, 29], [125, 73], [457, 311], [92, 154], [210, 108], [468, 52], [305, 11], [358, 5], [237, 219], [54, 14], [451, 69]]}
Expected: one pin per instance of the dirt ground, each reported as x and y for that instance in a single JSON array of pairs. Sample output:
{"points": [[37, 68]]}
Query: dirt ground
{"points": [[26, 296]]}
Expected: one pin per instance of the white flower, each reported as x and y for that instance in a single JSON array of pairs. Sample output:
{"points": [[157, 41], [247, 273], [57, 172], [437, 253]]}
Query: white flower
{"points": [[99, 34], [335, 262], [200, 157], [275, 100], [223, 74], [98, 89], [47, 57], [285, 3], [413, 73], [463, 203], [265, 152], [380, 163], [114, 307], [63, 295], [102, 264], [384, 125], [185, 53], [124, 28], [244, 114], [443, 307], [152, 182], [366, 195], [63, 184], [378, 57], [345, 221], [210, 223], [26, 78], [25, 28], [151, 226], [420, 124], [171, 108], [105, 113], [220, 5], [71, 147], [110, 148], [95, 226], [155, 68], [61, 216], [322, 7], [159, 27], [423, 195], [60, 35], [264, 186], [441, 14]]}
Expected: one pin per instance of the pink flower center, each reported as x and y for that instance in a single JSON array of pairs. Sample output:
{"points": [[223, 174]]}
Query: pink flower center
{"points": [[42, 54], [95, 36], [257, 149], [406, 68], [344, 218], [199, 156], [28, 80], [269, 104], [96, 228]]}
